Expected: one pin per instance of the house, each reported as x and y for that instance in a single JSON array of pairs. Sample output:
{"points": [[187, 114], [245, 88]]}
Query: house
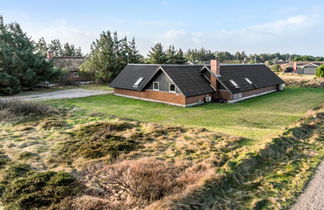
{"points": [[71, 65], [189, 85], [306, 67]]}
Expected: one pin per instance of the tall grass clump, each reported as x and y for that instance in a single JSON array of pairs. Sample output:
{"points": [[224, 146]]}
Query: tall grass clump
{"points": [[14, 109]]}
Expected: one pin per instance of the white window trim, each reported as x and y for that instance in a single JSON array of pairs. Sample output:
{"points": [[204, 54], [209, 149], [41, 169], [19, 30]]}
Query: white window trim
{"points": [[248, 80], [138, 81], [234, 83], [158, 84], [75, 74], [175, 88]]}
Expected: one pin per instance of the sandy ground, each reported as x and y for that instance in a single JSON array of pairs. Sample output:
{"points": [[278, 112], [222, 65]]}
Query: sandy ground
{"points": [[313, 196], [60, 94]]}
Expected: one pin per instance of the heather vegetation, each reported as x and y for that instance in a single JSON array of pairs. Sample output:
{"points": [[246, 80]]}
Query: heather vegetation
{"points": [[82, 159]]}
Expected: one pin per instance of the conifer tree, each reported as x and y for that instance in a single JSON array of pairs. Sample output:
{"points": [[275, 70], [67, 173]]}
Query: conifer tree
{"points": [[157, 54]]}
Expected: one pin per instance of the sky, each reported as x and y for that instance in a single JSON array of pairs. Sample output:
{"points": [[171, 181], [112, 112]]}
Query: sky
{"points": [[253, 26]]}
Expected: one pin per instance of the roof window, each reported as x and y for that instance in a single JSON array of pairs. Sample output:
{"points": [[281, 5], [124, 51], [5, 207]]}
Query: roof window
{"points": [[249, 81], [234, 83], [139, 80]]}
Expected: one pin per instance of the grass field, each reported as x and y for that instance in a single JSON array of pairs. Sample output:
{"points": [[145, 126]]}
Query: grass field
{"points": [[256, 118]]}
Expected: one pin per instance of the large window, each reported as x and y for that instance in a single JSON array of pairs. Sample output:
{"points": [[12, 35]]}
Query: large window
{"points": [[156, 86], [172, 88], [138, 81]]}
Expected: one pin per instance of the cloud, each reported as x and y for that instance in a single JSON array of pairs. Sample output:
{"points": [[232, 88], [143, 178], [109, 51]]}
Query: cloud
{"points": [[65, 33]]}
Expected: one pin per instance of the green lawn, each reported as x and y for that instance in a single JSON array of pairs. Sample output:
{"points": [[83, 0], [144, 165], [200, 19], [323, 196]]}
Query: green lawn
{"points": [[257, 118]]}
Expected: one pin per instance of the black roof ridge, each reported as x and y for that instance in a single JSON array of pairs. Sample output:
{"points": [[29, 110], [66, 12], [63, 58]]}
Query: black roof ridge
{"points": [[221, 64]]}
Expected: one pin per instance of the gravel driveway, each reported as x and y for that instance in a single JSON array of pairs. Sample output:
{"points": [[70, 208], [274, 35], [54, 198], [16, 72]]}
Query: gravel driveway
{"points": [[59, 94], [313, 196]]}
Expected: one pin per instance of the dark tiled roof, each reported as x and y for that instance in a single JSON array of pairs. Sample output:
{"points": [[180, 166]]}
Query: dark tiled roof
{"points": [[130, 74], [259, 74], [191, 82], [188, 79]]}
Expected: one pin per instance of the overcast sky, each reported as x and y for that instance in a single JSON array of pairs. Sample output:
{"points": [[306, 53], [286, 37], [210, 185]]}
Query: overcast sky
{"points": [[253, 26]]}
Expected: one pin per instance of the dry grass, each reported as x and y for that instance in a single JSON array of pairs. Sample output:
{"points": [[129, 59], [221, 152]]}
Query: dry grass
{"points": [[302, 81], [170, 167], [14, 109]]}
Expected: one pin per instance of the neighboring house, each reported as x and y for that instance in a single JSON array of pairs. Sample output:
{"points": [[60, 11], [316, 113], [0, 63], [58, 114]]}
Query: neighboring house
{"points": [[189, 85], [306, 67], [71, 65]]}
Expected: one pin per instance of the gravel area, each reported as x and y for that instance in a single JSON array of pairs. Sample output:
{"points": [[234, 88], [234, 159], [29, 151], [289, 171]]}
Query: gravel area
{"points": [[60, 94], [313, 196]]}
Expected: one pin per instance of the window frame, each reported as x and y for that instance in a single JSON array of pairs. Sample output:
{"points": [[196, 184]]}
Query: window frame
{"points": [[138, 81], [158, 85], [175, 88], [234, 83], [75, 74]]}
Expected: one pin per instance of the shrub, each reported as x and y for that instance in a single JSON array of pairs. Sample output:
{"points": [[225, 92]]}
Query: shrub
{"points": [[4, 159], [145, 180], [98, 140], [320, 71], [10, 109], [39, 190], [9, 84], [16, 170], [26, 155]]}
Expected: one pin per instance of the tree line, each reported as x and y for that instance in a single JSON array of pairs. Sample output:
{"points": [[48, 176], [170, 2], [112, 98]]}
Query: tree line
{"points": [[56, 48], [23, 63]]}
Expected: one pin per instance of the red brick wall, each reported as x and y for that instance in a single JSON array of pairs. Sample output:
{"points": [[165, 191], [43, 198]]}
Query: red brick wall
{"points": [[223, 94], [258, 91], [175, 98], [196, 99]]}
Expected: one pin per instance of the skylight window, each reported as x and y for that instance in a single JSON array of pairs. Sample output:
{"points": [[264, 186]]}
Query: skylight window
{"points": [[139, 80], [234, 83], [249, 81]]}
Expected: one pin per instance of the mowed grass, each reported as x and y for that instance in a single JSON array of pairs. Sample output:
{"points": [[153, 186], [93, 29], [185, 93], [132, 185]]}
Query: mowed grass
{"points": [[256, 119]]}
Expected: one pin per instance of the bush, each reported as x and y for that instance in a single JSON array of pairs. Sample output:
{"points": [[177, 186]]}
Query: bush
{"points": [[320, 71], [4, 159], [26, 155], [99, 140], [10, 109], [144, 180], [39, 190], [16, 170], [9, 85]]}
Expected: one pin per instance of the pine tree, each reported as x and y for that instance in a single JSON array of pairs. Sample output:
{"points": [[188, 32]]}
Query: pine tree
{"points": [[133, 55], [55, 47], [180, 59], [171, 55], [20, 61], [157, 54], [41, 46]]}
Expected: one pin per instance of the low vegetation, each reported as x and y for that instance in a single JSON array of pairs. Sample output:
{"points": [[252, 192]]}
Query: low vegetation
{"points": [[14, 109], [303, 81], [256, 118], [90, 159]]}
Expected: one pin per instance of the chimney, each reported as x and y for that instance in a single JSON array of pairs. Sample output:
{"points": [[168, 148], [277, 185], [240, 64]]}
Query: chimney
{"points": [[214, 67], [49, 55], [295, 67]]}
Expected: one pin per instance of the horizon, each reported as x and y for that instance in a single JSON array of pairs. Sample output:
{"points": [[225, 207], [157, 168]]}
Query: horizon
{"points": [[292, 27]]}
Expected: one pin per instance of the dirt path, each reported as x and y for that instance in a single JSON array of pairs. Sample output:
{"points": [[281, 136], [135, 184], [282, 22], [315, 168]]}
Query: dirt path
{"points": [[313, 196], [60, 94]]}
